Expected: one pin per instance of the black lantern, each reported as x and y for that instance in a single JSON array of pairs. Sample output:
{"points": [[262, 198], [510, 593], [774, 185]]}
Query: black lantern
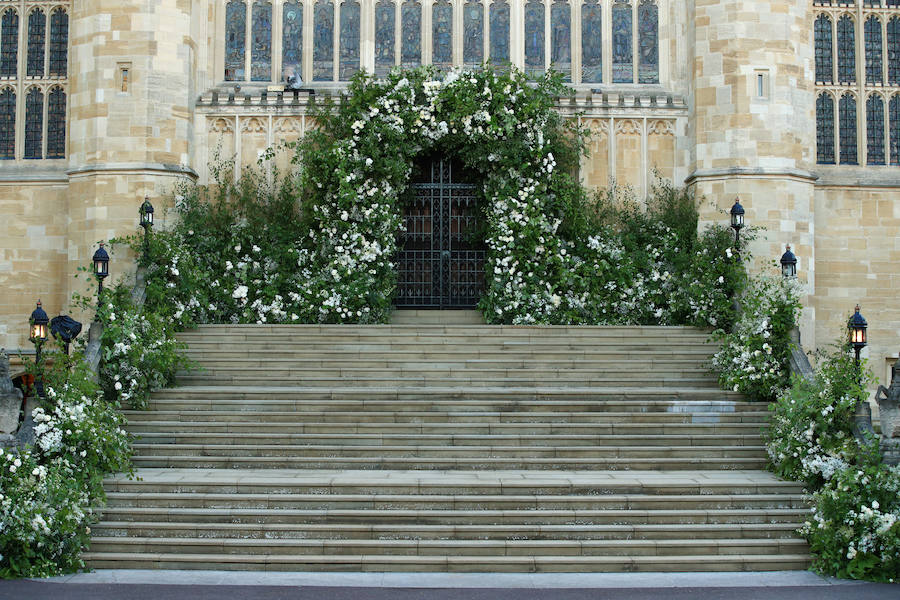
{"points": [[737, 219], [101, 268], [39, 334], [857, 328], [788, 264], [146, 212]]}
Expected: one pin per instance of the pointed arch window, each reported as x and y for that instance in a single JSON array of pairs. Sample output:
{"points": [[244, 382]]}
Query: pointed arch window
{"points": [[37, 28], [9, 43], [56, 123], [7, 124], [893, 50], [261, 42], [873, 50], [825, 129], [534, 37], [847, 129], [292, 40], [473, 33], [411, 29], [59, 42], [235, 40], [349, 39], [442, 34], [34, 123], [384, 37], [875, 130], [623, 61], [323, 41], [824, 50], [648, 26], [561, 38], [846, 52], [499, 33], [591, 42], [894, 110]]}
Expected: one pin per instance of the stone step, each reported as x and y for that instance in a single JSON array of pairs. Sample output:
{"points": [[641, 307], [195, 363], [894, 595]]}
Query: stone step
{"points": [[327, 562], [288, 378], [675, 364], [442, 317], [245, 351]]}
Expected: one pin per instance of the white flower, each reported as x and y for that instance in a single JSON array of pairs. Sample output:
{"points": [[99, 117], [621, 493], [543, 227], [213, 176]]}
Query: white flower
{"points": [[240, 292]]}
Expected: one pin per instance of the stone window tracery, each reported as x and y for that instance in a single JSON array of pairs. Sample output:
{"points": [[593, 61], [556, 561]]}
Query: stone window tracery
{"points": [[7, 124], [9, 40], [384, 37], [473, 33], [37, 25], [846, 54], [59, 42], [894, 114], [825, 129], [56, 123], [34, 123], [847, 130], [875, 130], [873, 50], [824, 56]]}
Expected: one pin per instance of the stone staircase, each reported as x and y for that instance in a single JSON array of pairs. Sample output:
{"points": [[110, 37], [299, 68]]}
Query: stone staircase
{"points": [[437, 447]]}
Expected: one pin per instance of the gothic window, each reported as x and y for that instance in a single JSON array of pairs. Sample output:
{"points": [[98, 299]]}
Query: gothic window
{"points": [[873, 50], [34, 123], [473, 33], [875, 130], [894, 108], [847, 126], [825, 129], [893, 51], [349, 39], [37, 25], [411, 29], [591, 42], [323, 41], [442, 34], [56, 123], [824, 57], [384, 37], [7, 124], [292, 40], [623, 62], [648, 24], [561, 38], [846, 52], [261, 42], [9, 43], [59, 42], [873, 3], [534, 37], [499, 31], [235, 28]]}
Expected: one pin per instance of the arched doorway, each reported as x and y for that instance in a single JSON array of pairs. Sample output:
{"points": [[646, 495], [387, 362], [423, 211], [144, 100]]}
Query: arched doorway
{"points": [[441, 258]]}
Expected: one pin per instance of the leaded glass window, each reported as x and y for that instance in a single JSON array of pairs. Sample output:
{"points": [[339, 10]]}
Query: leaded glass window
{"points": [[893, 51], [846, 52], [648, 25], [825, 129], [824, 50], [9, 43], [591, 42], [561, 38], [59, 43], [473, 33], [235, 31], [873, 50], [34, 123], [37, 25], [623, 62], [534, 37], [411, 29], [56, 123], [499, 32], [442, 34], [323, 41], [292, 40], [261, 42], [349, 39], [875, 130], [384, 37], [7, 124], [847, 126], [894, 108]]}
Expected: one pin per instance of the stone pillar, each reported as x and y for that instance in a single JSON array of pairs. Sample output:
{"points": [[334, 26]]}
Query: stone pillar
{"points": [[752, 123]]}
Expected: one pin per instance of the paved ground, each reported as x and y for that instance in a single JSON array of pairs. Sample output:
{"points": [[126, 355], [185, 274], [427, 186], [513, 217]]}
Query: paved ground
{"points": [[219, 585]]}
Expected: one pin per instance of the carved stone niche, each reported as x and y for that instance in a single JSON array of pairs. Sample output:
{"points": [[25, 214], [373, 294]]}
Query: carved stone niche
{"points": [[10, 398]]}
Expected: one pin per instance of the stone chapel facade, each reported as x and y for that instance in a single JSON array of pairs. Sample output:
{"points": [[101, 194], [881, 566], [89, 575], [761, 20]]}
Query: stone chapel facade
{"points": [[791, 105]]}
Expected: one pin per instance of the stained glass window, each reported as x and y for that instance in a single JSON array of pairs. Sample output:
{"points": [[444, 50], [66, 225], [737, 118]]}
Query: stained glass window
{"points": [[349, 39], [7, 124], [323, 41], [473, 33], [292, 41], [411, 30], [893, 51], [894, 108], [534, 37], [56, 123], [591, 42], [873, 50], [875, 130], [623, 62], [824, 57], [561, 38], [846, 51], [59, 42], [261, 42], [9, 43], [825, 129], [384, 37], [648, 27], [37, 25], [499, 37], [847, 124], [442, 33], [235, 30], [34, 122]]}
